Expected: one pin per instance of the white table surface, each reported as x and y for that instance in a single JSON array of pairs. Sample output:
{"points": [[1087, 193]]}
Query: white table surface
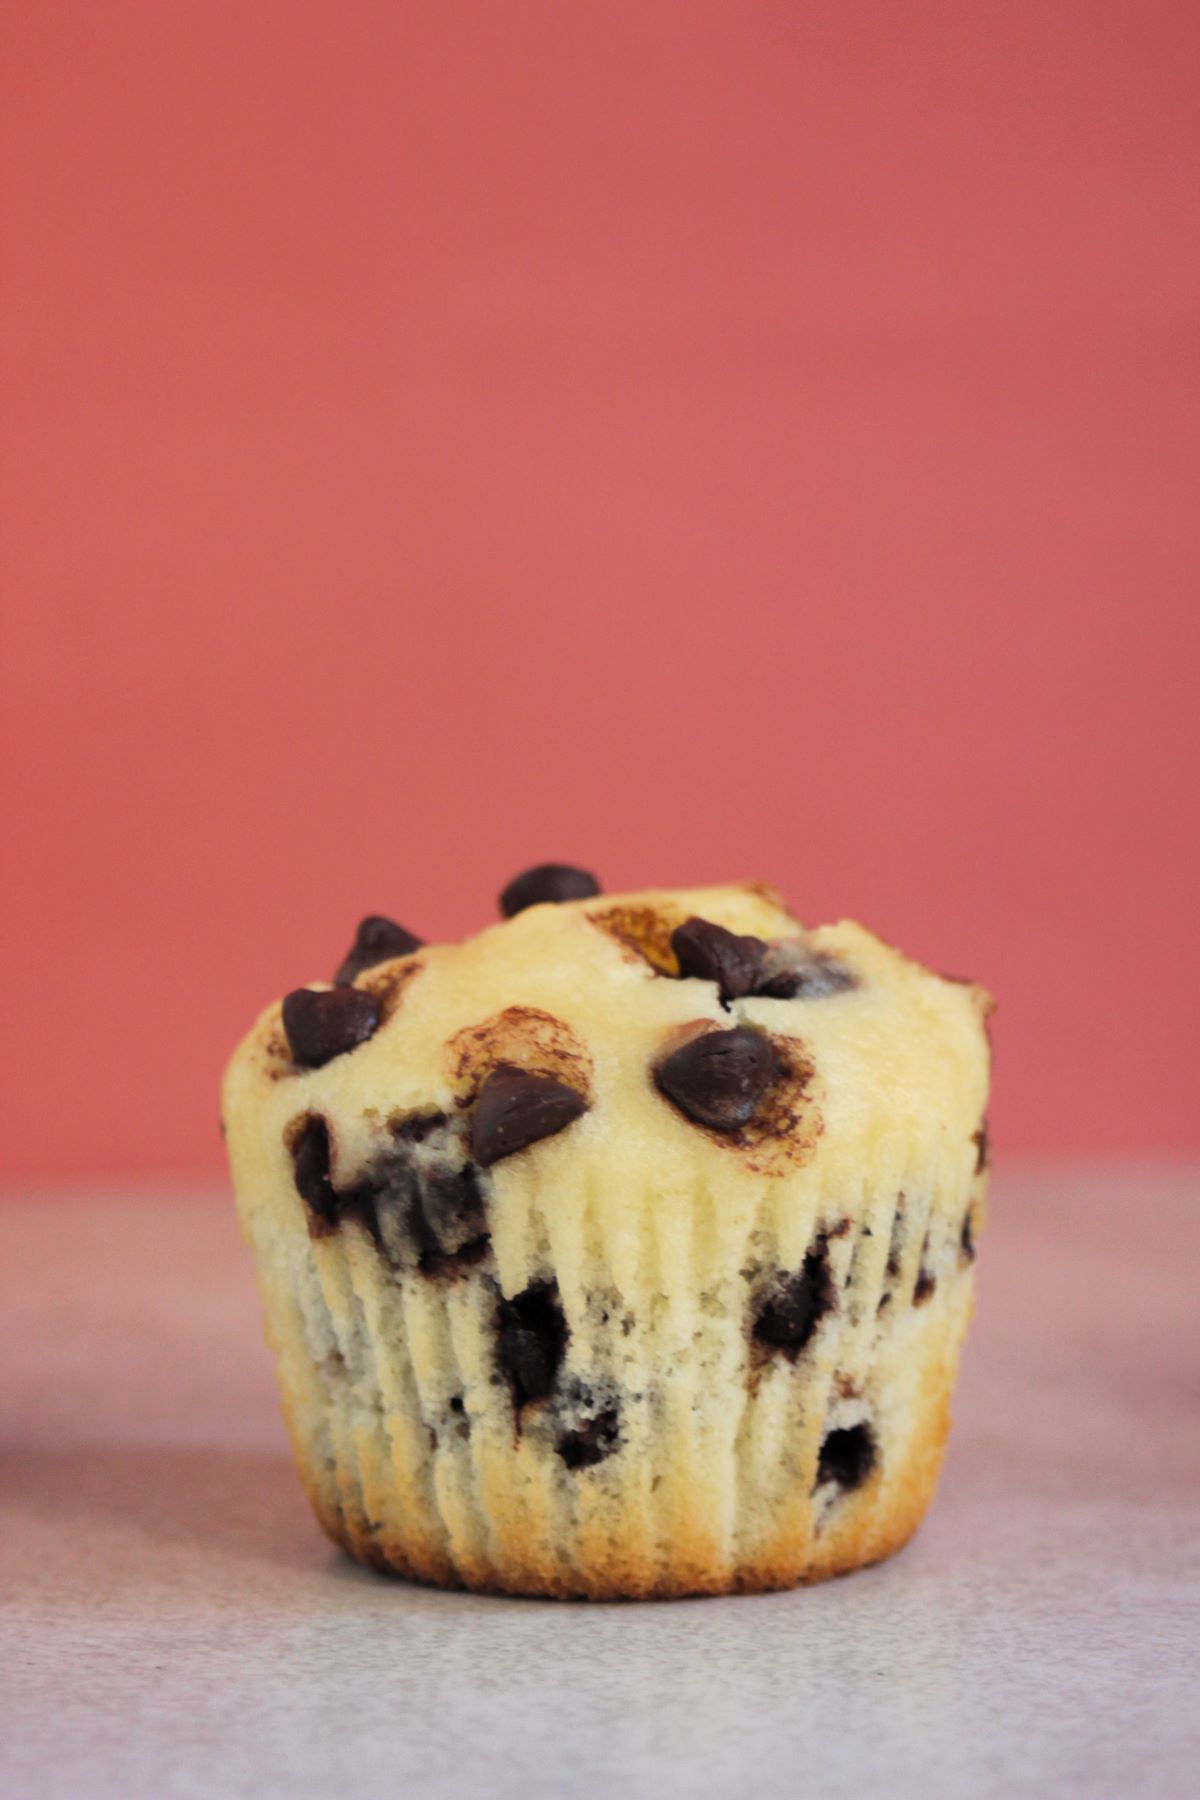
{"points": [[172, 1623]]}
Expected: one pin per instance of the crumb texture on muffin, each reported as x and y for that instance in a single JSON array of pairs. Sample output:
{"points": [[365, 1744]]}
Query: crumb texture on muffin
{"points": [[624, 1249]]}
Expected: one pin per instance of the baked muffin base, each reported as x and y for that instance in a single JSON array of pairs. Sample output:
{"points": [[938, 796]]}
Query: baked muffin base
{"points": [[416, 1462]]}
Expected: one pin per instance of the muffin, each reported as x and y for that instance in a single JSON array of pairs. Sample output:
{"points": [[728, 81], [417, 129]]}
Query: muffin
{"points": [[625, 1249]]}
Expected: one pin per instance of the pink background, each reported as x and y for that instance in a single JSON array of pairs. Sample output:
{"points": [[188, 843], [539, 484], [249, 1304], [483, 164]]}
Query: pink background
{"points": [[696, 440]]}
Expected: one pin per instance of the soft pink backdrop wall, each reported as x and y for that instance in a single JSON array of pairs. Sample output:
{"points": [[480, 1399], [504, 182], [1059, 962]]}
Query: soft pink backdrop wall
{"points": [[696, 440]]}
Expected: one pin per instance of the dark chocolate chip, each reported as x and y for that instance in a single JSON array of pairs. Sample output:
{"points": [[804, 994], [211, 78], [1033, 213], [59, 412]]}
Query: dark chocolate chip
{"points": [[926, 1283], [847, 1457], [320, 1026], [376, 940], [583, 1446], [531, 1341], [983, 1148], [311, 1162], [516, 1108], [552, 882], [387, 1198], [434, 1214], [793, 972], [708, 952], [719, 1078], [796, 1305], [428, 1212], [967, 1237]]}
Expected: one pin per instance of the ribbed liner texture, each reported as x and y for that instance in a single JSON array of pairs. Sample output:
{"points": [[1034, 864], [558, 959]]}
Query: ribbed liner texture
{"points": [[417, 1460]]}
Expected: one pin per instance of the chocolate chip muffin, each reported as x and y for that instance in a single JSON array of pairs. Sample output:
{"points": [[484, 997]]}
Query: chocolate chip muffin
{"points": [[624, 1249]]}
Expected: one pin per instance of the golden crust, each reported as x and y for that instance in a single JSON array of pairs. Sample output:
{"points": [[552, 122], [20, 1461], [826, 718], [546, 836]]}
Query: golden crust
{"points": [[617, 1572]]}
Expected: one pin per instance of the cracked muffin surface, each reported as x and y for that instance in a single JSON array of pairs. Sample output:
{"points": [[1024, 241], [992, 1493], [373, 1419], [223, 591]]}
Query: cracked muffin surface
{"points": [[623, 1249]]}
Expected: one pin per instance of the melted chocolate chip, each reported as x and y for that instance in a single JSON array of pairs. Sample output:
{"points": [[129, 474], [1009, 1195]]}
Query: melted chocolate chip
{"points": [[983, 1148], [386, 1197], [452, 1209], [707, 952], [584, 1445], [430, 1214], [926, 1283], [926, 1286], [967, 1237], [719, 1078], [896, 1241], [320, 1026], [793, 972], [311, 1162], [516, 1108], [531, 1341], [796, 1305], [552, 882], [417, 1126], [376, 940], [847, 1457]]}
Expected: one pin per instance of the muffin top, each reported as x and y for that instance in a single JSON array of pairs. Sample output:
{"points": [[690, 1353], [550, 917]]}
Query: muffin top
{"points": [[658, 1040]]}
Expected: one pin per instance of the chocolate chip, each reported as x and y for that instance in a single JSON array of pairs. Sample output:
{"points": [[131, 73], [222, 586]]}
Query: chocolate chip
{"points": [[583, 1446], [926, 1283], [311, 1162], [432, 1214], [967, 1237], [320, 1026], [847, 1456], [376, 940], [531, 1341], [516, 1108], [707, 952], [794, 972], [387, 1198], [719, 1078], [429, 1213], [796, 1305], [983, 1148], [553, 882]]}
